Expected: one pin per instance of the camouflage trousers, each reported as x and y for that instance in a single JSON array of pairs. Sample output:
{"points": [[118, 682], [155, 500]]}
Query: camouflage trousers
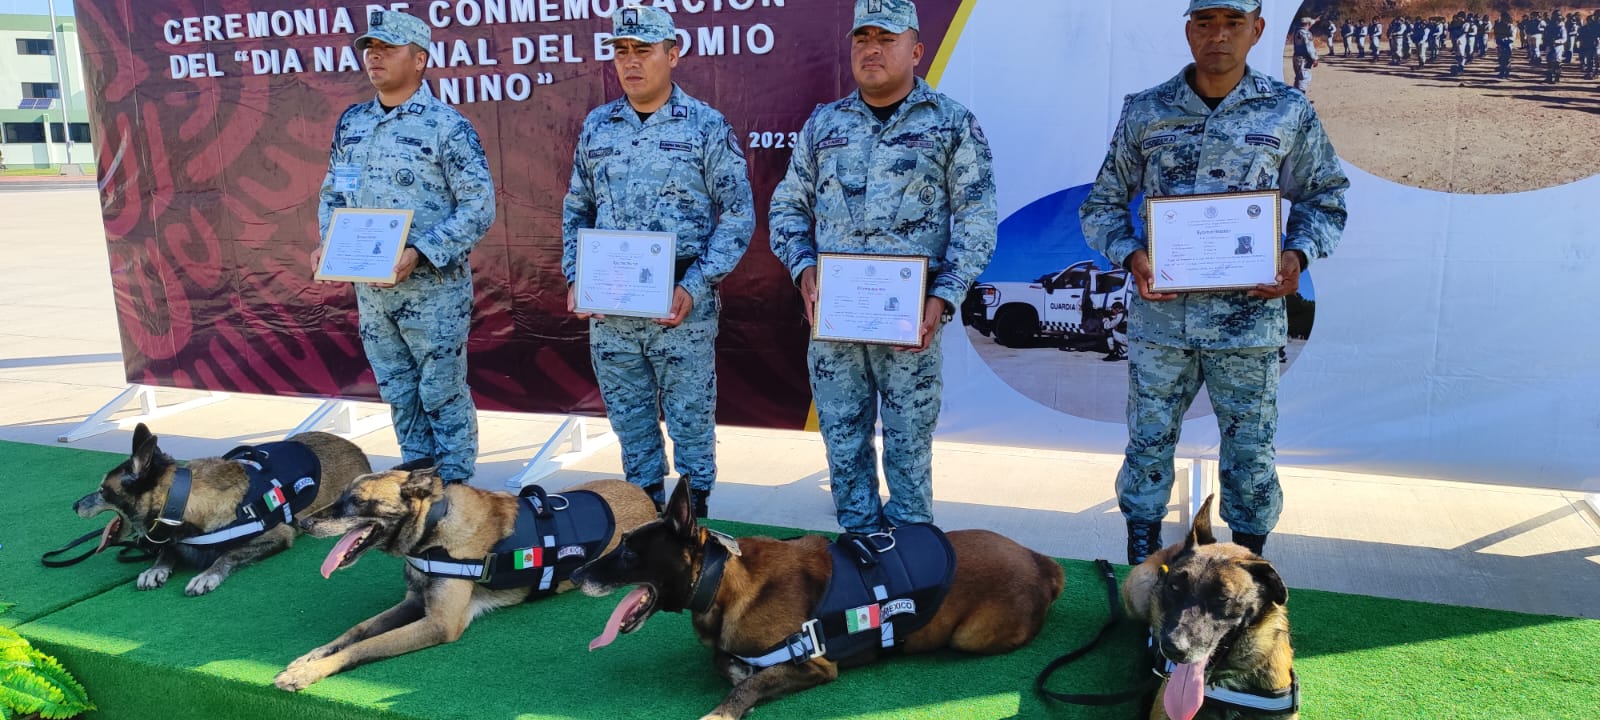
{"points": [[1302, 73], [645, 369], [1243, 386], [849, 382], [415, 336]]}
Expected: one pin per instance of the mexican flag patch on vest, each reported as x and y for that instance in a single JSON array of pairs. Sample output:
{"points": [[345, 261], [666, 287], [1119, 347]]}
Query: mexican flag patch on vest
{"points": [[527, 558], [861, 618], [273, 498]]}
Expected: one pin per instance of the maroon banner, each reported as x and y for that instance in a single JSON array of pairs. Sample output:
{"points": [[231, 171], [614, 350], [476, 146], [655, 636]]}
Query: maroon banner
{"points": [[215, 118]]}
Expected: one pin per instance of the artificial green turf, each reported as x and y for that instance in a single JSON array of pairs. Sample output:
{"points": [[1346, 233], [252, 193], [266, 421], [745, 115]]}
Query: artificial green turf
{"points": [[161, 654], [38, 486]]}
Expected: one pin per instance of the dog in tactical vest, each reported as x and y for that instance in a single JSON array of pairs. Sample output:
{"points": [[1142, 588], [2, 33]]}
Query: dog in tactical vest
{"points": [[410, 512], [137, 491], [997, 600], [1218, 613]]}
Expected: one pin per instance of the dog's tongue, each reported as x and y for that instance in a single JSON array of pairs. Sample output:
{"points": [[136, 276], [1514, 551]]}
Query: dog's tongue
{"points": [[105, 535], [336, 555], [1186, 690], [614, 623]]}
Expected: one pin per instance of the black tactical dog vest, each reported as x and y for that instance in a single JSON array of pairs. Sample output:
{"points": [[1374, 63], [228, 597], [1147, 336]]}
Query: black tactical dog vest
{"points": [[883, 588], [283, 480], [554, 535]]}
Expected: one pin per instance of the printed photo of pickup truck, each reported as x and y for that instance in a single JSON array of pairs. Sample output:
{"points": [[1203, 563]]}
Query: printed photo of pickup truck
{"points": [[1061, 307]]}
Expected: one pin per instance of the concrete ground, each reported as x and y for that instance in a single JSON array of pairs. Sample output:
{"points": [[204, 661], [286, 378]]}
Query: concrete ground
{"points": [[1488, 546]]}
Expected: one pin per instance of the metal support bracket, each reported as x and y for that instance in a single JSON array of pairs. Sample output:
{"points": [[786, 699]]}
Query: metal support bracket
{"points": [[573, 431], [101, 422], [339, 417]]}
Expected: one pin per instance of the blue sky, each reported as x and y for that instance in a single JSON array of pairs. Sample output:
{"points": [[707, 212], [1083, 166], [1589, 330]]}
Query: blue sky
{"points": [[34, 7]]}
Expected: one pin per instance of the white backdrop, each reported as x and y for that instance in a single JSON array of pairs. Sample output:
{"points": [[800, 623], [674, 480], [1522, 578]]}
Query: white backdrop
{"points": [[1465, 349]]}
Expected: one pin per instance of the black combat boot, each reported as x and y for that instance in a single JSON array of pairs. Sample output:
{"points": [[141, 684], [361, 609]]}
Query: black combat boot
{"points": [[658, 495], [1144, 538], [1253, 543], [700, 499]]}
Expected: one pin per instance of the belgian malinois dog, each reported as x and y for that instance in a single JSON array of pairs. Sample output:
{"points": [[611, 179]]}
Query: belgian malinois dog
{"points": [[997, 602], [136, 491], [390, 510], [1218, 612]]}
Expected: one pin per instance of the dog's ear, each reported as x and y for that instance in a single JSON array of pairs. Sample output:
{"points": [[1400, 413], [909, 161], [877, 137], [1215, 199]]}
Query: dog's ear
{"points": [[145, 451], [1200, 530], [141, 434], [418, 464], [680, 511], [1272, 587], [420, 483]]}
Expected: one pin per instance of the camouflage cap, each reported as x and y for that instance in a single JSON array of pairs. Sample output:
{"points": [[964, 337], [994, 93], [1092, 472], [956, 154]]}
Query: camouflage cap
{"points": [[896, 16], [645, 24], [396, 28], [1244, 6]]}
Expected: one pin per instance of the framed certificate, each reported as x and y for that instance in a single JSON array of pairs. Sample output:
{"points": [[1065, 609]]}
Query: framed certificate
{"points": [[1227, 241], [624, 272], [363, 245], [870, 298]]}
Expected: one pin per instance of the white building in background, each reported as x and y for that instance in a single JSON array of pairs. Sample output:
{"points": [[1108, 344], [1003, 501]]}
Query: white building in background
{"points": [[34, 96]]}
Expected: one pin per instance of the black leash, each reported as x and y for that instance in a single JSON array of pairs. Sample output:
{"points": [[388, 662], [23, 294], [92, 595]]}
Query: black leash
{"points": [[131, 551], [1115, 698]]}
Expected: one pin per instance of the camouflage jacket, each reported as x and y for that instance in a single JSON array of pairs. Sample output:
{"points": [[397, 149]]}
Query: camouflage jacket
{"points": [[422, 156], [681, 171], [1263, 136], [920, 184]]}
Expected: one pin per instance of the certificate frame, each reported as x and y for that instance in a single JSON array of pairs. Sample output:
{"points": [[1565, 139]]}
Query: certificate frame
{"points": [[342, 228], [1245, 230], [833, 265], [656, 252]]}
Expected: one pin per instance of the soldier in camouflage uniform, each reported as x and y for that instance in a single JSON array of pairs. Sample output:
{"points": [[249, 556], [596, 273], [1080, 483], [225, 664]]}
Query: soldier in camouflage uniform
{"points": [[1504, 35], [405, 149], [1216, 127], [1305, 56], [896, 169], [1555, 41], [659, 160]]}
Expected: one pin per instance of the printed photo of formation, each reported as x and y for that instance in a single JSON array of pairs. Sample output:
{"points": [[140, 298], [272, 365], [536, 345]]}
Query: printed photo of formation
{"points": [[1460, 96]]}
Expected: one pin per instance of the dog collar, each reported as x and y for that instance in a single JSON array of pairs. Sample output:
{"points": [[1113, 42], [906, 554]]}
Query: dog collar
{"points": [[705, 589], [160, 532], [436, 512]]}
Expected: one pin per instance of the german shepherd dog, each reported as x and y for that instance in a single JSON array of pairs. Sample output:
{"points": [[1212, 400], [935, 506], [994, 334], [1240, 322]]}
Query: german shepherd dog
{"points": [[997, 602], [136, 491], [1217, 611], [389, 510]]}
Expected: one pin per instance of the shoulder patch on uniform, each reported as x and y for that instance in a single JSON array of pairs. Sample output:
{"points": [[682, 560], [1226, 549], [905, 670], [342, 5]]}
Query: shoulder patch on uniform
{"points": [[734, 144], [672, 145], [598, 153], [403, 140], [1158, 141], [977, 131], [833, 142], [1263, 85], [1263, 140], [680, 111]]}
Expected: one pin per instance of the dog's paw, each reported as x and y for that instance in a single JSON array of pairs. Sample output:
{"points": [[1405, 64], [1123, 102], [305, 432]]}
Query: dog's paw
{"points": [[717, 715], [312, 656], [153, 578], [203, 583], [298, 677]]}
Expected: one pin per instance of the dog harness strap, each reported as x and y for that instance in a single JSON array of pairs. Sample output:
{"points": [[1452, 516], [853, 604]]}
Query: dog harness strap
{"points": [[446, 568], [232, 532], [1282, 701], [797, 648], [710, 579]]}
